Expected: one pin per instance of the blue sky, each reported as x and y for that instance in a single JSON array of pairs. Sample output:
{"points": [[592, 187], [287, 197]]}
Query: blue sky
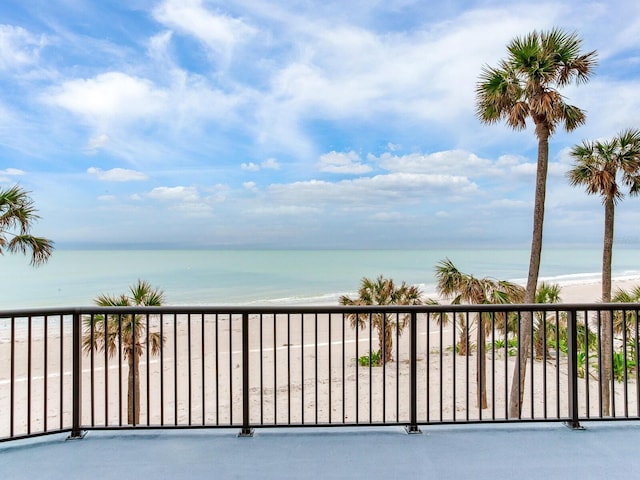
{"points": [[293, 124]]}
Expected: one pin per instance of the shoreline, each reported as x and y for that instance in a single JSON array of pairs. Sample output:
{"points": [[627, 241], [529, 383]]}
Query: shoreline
{"points": [[571, 291], [256, 278], [587, 290]]}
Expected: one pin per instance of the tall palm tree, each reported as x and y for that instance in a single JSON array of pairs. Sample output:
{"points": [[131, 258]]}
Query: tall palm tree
{"points": [[465, 288], [525, 86], [383, 291], [603, 168], [127, 332], [17, 213]]}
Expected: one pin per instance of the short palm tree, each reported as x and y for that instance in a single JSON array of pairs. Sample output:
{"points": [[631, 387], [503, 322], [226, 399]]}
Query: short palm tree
{"points": [[525, 86], [17, 213], [128, 332], [546, 293], [383, 291], [627, 322], [464, 288], [603, 168]]}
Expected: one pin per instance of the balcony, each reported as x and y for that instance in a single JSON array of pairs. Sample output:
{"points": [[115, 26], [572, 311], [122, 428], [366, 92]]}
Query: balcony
{"points": [[290, 375]]}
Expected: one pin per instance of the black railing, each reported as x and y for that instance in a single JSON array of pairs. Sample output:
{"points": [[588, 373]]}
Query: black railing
{"points": [[202, 367]]}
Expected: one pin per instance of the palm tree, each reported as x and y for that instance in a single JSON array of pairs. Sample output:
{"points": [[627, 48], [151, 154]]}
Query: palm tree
{"points": [[525, 86], [546, 293], [17, 213], [127, 332], [626, 322], [462, 287], [383, 291], [603, 168]]}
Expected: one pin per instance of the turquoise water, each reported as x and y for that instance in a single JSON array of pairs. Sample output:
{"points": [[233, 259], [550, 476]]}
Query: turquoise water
{"points": [[239, 277]]}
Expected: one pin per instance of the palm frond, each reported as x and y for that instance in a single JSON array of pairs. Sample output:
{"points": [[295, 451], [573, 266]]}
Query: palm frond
{"points": [[537, 65]]}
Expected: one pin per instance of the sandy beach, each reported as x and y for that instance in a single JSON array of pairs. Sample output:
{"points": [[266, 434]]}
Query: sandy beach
{"points": [[303, 369]]}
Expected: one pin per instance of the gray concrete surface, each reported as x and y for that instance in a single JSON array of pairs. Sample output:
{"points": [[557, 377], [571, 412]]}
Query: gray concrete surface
{"points": [[540, 451]]}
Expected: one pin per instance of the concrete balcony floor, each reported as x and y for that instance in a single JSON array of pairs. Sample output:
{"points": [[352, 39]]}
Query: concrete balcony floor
{"points": [[523, 451]]}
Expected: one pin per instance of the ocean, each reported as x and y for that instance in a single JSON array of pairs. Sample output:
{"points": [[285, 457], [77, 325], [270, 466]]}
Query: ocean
{"points": [[274, 277]]}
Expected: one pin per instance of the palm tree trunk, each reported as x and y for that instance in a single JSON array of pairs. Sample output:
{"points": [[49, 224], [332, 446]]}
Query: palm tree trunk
{"points": [[517, 383], [606, 326], [481, 371], [385, 340], [463, 344], [133, 408], [540, 347]]}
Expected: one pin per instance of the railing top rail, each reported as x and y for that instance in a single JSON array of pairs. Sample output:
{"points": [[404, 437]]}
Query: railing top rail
{"points": [[326, 309]]}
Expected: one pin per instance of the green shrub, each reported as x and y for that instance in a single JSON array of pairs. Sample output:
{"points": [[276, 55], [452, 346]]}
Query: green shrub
{"points": [[374, 359]]}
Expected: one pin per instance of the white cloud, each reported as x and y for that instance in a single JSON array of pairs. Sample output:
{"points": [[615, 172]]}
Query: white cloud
{"points": [[158, 48], [449, 162], [251, 186], [389, 190], [175, 194], [392, 147], [110, 97], [117, 174], [97, 142], [12, 172], [268, 164], [18, 47], [219, 32], [525, 169], [187, 201], [337, 162], [7, 174], [250, 167]]}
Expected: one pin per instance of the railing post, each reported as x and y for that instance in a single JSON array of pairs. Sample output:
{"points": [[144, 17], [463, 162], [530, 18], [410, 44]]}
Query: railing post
{"points": [[76, 409], [572, 341], [246, 431], [412, 428]]}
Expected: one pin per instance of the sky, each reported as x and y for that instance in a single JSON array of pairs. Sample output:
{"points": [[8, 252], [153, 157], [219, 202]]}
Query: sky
{"points": [[297, 124]]}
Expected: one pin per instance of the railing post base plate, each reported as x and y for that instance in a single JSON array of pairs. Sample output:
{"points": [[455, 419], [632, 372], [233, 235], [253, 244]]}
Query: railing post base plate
{"points": [[246, 432], [573, 425], [412, 429], [77, 436]]}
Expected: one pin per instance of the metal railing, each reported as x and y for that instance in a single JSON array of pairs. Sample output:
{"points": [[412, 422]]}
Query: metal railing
{"points": [[206, 367]]}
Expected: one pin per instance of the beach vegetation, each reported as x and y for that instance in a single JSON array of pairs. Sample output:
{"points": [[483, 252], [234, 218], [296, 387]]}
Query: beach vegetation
{"points": [[499, 345], [526, 86], [383, 291], [464, 346], [546, 293], [17, 215], [623, 365], [604, 168], [126, 335], [624, 321], [465, 288], [586, 342], [544, 324], [373, 359]]}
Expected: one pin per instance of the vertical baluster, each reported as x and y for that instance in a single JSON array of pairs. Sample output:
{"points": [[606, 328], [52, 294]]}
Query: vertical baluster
{"points": [[413, 377], [246, 431], [573, 370]]}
